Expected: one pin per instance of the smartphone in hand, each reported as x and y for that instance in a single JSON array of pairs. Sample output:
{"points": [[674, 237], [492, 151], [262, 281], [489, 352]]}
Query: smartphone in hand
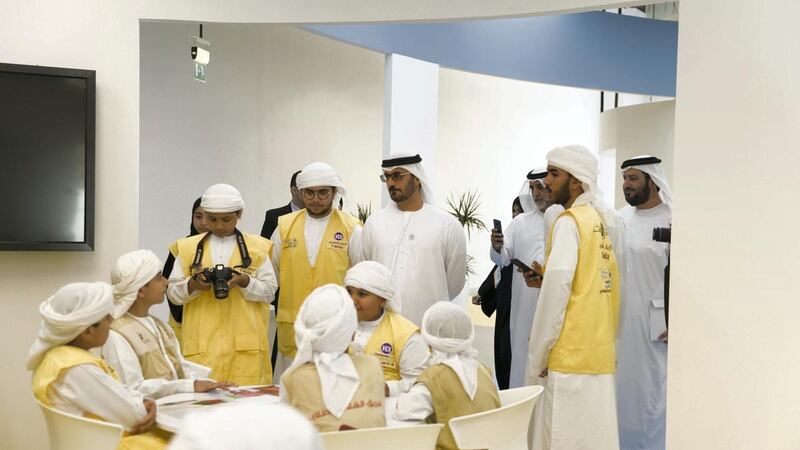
{"points": [[521, 265], [498, 226]]}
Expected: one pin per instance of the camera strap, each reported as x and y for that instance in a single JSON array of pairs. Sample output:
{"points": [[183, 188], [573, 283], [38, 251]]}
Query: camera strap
{"points": [[198, 254]]}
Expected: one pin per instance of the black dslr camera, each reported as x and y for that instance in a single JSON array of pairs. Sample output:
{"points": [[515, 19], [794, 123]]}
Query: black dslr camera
{"points": [[662, 234], [219, 277]]}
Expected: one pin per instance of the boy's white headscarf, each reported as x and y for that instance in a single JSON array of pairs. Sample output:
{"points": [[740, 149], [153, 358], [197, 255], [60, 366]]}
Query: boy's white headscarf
{"points": [[318, 174], [376, 278], [130, 273], [415, 169], [582, 164], [323, 330], [222, 198], [448, 330], [68, 312], [656, 172], [247, 425]]}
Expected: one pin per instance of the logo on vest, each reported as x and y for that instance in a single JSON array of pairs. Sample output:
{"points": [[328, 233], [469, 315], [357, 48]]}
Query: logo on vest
{"points": [[386, 348], [338, 236]]}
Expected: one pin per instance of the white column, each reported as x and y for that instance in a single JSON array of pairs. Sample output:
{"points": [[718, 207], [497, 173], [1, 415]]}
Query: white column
{"points": [[411, 99]]}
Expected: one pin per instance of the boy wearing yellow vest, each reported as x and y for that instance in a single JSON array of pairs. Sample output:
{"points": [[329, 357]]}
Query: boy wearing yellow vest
{"points": [[332, 388], [67, 377], [572, 342], [382, 332], [313, 246], [225, 327], [141, 348], [455, 384]]}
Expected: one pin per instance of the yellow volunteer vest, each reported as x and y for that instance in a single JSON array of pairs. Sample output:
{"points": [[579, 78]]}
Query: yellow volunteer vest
{"points": [[55, 364], [297, 277], [228, 335], [387, 343], [145, 345], [587, 340], [366, 409], [451, 400]]}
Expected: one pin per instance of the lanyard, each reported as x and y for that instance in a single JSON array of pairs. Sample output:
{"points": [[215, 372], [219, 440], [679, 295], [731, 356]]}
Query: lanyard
{"points": [[198, 254]]}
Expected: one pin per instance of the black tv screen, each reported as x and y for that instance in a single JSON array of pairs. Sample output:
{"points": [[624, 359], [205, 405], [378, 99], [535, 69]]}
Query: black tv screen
{"points": [[47, 118]]}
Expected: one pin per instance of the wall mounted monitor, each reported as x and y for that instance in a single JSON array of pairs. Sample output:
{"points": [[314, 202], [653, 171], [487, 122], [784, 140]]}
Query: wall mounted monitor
{"points": [[47, 154]]}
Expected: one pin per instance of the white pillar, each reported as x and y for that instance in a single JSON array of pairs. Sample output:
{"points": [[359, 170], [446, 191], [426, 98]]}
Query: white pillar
{"points": [[410, 117]]}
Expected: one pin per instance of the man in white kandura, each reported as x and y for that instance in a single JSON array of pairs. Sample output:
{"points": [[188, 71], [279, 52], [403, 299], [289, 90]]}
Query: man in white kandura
{"points": [[572, 345], [312, 247], [523, 239], [141, 348], [423, 246], [642, 354]]}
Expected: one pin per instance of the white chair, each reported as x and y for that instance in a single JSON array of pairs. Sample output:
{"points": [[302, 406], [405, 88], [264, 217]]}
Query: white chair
{"points": [[70, 432], [504, 428], [417, 437]]}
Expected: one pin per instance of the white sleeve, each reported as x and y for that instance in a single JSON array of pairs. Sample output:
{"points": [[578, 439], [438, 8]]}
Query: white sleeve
{"points": [[96, 392], [553, 296], [178, 287], [455, 259], [413, 360], [263, 285], [277, 245], [119, 354], [354, 247], [365, 241], [416, 404], [503, 258]]}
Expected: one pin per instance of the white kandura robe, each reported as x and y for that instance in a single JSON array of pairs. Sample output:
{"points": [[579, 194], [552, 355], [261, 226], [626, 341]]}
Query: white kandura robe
{"points": [[425, 250], [119, 354], [641, 360], [414, 356], [576, 411], [523, 239], [86, 388]]}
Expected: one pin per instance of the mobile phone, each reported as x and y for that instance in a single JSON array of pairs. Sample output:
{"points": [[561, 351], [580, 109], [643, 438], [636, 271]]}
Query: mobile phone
{"points": [[521, 265], [498, 226]]}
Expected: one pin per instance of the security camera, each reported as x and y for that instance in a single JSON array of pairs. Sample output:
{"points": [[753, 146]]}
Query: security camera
{"points": [[201, 55]]}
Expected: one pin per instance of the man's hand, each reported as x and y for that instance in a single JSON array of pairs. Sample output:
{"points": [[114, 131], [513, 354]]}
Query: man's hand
{"points": [[534, 277], [663, 336], [385, 389], [497, 240], [240, 280], [198, 283], [476, 299], [209, 385], [543, 374], [147, 421]]}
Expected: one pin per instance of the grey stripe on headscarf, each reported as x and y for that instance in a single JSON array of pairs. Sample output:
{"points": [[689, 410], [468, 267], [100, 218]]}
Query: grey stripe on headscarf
{"points": [[65, 315]]}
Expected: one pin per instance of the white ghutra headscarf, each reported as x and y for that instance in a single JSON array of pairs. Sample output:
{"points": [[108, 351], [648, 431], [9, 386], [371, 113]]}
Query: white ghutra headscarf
{"points": [[319, 174], [222, 198], [652, 166], [403, 161], [323, 329], [130, 273], [65, 315], [375, 278], [448, 330]]}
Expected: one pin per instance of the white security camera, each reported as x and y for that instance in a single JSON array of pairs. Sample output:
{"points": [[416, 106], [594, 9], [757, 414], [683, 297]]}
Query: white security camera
{"points": [[201, 55]]}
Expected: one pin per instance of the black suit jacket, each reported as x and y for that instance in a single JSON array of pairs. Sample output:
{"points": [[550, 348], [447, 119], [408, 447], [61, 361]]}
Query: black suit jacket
{"points": [[271, 219]]}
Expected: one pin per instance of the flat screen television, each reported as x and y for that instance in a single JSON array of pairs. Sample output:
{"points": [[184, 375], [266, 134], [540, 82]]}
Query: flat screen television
{"points": [[47, 125]]}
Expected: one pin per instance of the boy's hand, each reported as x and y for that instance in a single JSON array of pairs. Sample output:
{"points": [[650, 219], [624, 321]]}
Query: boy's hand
{"points": [[240, 280], [198, 283], [147, 421]]}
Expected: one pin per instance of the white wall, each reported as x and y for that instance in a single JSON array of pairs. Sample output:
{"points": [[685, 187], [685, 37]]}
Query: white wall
{"points": [[277, 98], [646, 129], [734, 337], [492, 131]]}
